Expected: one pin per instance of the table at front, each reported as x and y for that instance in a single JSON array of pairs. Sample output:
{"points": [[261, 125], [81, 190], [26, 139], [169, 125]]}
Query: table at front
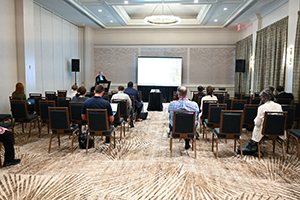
{"points": [[155, 101]]}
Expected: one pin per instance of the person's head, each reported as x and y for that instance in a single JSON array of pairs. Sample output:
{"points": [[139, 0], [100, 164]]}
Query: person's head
{"points": [[200, 88], [19, 88], [279, 88], [121, 88], [266, 95], [100, 73], [99, 89], [209, 90], [74, 87], [271, 88], [130, 84], [182, 92], [81, 91]]}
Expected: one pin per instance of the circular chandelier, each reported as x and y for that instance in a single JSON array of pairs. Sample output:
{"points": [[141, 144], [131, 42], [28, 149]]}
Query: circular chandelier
{"points": [[162, 20]]}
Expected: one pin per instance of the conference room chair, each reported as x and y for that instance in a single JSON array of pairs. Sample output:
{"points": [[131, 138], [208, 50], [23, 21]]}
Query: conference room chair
{"points": [[222, 88], [283, 101], [239, 95], [250, 112], [15, 98], [183, 128], [297, 112], [62, 93], [141, 95], [37, 104], [106, 97], [218, 93], [293, 136], [255, 100], [60, 125], [290, 109], [256, 94], [132, 98], [119, 121], [51, 95], [199, 98], [204, 114], [75, 114], [230, 128], [44, 113], [228, 101], [214, 116], [20, 114], [33, 95], [98, 126], [221, 98], [273, 127], [247, 97], [63, 101], [5, 117], [89, 94], [123, 110], [238, 104]]}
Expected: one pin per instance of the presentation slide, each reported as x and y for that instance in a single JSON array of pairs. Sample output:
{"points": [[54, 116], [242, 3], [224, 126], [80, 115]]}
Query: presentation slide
{"points": [[159, 71]]}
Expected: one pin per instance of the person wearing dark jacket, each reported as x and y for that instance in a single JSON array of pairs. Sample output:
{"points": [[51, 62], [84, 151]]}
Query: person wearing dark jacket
{"points": [[282, 94], [133, 92]]}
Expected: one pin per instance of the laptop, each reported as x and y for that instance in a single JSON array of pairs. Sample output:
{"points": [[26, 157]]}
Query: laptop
{"points": [[114, 107]]}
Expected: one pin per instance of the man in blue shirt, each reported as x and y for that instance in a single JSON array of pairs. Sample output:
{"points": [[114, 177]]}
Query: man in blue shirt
{"points": [[96, 102], [182, 104], [133, 92]]}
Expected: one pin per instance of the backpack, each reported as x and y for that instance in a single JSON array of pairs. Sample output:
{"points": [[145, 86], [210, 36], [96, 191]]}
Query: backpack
{"points": [[82, 139]]}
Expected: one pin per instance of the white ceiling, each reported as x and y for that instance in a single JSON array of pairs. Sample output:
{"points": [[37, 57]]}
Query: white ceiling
{"points": [[117, 14]]}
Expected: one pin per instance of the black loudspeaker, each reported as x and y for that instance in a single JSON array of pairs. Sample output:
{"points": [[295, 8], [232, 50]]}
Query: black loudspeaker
{"points": [[240, 65], [75, 65]]}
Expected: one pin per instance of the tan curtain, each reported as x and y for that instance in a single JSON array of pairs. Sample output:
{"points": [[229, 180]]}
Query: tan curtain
{"points": [[244, 51], [296, 68], [270, 55]]}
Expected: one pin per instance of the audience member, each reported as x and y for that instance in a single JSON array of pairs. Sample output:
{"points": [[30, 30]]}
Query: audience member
{"points": [[200, 91], [100, 78], [122, 95], [209, 96], [7, 138], [96, 102], [271, 88], [73, 91], [19, 92], [282, 94], [267, 98], [80, 95], [133, 92], [182, 104]]}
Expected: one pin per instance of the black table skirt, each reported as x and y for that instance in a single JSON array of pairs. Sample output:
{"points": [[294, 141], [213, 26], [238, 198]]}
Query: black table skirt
{"points": [[166, 92], [155, 102]]}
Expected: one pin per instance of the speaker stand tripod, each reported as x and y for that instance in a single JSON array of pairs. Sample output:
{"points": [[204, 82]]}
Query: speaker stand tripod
{"points": [[75, 79], [239, 82]]}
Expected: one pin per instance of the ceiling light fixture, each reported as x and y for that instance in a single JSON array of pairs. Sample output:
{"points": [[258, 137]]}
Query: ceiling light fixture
{"points": [[162, 20], [99, 10], [111, 21], [126, 2], [215, 20], [195, 1], [224, 8]]}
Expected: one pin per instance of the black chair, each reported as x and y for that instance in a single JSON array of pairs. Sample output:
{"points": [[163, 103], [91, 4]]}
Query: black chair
{"points": [[123, 110], [75, 114], [238, 104], [256, 94], [15, 98], [239, 95], [247, 97], [119, 121], [63, 101], [228, 101], [51, 95], [62, 93], [37, 104], [230, 128], [184, 128], [295, 135], [290, 109], [33, 95], [250, 112], [283, 101], [198, 99], [98, 126], [20, 114], [204, 112], [44, 114], [60, 124], [273, 127], [297, 112], [106, 97], [214, 116], [4, 117], [221, 98], [255, 100]]}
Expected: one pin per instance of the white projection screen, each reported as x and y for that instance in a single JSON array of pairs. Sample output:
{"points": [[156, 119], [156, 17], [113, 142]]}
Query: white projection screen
{"points": [[159, 71]]}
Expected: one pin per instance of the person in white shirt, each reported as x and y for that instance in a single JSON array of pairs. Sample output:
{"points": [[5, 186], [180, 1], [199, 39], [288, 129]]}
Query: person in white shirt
{"points": [[209, 96], [122, 95], [73, 91]]}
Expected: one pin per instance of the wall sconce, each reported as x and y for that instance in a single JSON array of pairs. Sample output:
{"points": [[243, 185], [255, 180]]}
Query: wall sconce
{"points": [[252, 60], [290, 56]]}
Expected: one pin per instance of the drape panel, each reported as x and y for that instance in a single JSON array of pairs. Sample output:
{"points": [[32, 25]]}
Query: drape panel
{"points": [[270, 55], [296, 68], [244, 51]]}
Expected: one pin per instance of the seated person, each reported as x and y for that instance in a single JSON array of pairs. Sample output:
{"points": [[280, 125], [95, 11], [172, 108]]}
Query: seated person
{"points": [[122, 95], [267, 98], [80, 95], [73, 91], [182, 104], [209, 96], [19, 92], [7, 138], [100, 78], [200, 91], [282, 94], [133, 92]]}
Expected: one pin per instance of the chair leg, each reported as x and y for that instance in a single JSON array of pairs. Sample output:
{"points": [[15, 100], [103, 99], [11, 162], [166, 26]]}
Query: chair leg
{"points": [[114, 139], [259, 156], [121, 129], [241, 145], [283, 149], [287, 143], [171, 146], [22, 127], [298, 150], [39, 127], [50, 143], [234, 148], [87, 143], [48, 127], [217, 147], [110, 144], [212, 143], [58, 138], [205, 134], [30, 129], [72, 142], [195, 147], [274, 146]]}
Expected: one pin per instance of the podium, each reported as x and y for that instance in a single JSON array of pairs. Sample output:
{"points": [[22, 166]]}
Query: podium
{"points": [[105, 84], [155, 100]]}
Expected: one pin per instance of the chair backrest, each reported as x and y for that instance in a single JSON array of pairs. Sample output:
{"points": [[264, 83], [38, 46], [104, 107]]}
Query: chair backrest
{"points": [[231, 123], [59, 118], [274, 124], [283, 101], [290, 109], [37, 103], [141, 95], [214, 113], [62, 93], [247, 97], [133, 101], [250, 112], [222, 88], [106, 97], [33, 95], [19, 109], [255, 100], [239, 95], [97, 120], [228, 100], [297, 112], [51, 95], [184, 122], [256, 94], [238, 104], [89, 94], [75, 110], [199, 98], [123, 106], [205, 107], [117, 115], [44, 108], [15, 98], [63, 101], [221, 98]]}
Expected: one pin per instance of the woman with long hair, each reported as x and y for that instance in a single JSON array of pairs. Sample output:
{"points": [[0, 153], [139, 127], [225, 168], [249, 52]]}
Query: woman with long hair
{"points": [[19, 92]]}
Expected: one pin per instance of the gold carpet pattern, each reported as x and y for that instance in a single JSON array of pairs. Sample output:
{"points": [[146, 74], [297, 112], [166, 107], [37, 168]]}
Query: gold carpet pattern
{"points": [[140, 167]]}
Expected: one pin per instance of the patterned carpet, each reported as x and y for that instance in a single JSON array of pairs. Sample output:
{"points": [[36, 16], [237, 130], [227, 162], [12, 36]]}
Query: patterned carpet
{"points": [[140, 167]]}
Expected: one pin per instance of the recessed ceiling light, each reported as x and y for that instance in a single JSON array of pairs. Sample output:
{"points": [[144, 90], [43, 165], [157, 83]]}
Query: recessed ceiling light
{"points": [[99, 10], [215, 20], [224, 8], [111, 21], [195, 1], [126, 2]]}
